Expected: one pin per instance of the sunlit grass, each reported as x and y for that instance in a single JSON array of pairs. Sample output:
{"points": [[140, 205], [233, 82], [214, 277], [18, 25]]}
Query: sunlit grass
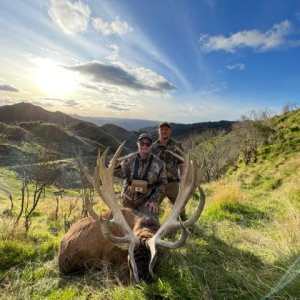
{"points": [[244, 246]]}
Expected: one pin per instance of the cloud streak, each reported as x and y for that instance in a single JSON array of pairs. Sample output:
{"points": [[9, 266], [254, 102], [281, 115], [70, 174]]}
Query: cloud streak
{"points": [[238, 66], [274, 38], [8, 88], [116, 27], [70, 17], [139, 79]]}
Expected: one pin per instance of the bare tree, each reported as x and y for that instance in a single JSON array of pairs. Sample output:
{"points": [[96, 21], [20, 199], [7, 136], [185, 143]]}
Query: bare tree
{"points": [[214, 150], [39, 172], [58, 196], [252, 131], [289, 106], [68, 221]]}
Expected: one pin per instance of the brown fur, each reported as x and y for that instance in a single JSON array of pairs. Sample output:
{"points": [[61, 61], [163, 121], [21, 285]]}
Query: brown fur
{"points": [[84, 244]]}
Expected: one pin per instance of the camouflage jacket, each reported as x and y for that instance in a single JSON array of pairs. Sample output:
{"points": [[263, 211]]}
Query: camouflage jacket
{"points": [[172, 163], [156, 179]]}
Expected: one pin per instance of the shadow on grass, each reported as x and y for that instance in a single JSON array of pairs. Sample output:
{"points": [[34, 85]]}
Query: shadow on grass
{"points": [[209, 269]]}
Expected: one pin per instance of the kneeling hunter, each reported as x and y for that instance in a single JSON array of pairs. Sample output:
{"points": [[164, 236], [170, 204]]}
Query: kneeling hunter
{"points": [[145, 178]]}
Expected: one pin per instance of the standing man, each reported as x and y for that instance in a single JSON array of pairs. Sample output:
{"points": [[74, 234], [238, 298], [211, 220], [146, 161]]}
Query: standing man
{"points": [[144, 177], [173, 164]]}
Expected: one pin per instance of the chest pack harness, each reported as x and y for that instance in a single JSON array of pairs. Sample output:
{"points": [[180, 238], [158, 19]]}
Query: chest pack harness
{"points": [[136, 169]]}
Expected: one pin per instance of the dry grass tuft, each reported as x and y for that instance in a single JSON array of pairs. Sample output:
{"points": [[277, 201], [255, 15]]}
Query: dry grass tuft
{"points": [[226, 192]]}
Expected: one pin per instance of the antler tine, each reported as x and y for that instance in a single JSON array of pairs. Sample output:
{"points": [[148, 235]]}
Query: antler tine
{"points": [[198, 211], [176, 155], [187, 186], [120, 159], [107, 194]]}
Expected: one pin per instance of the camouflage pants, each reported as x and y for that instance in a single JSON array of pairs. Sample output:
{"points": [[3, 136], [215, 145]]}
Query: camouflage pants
{"points": [[171, 192]]}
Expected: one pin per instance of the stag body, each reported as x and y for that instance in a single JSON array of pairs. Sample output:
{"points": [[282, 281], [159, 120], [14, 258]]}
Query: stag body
{"points": [[84, 245], [99, 238]]}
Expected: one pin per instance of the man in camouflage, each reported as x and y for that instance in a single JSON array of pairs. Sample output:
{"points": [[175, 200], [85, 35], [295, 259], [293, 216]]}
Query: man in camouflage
{"points": [[173, 164], [145, 166]]}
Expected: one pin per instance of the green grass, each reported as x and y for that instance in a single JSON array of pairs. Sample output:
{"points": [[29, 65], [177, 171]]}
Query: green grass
{"points": [[246, 245], [242, 248]]}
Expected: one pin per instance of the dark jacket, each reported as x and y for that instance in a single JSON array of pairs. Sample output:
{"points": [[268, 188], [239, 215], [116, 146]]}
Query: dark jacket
{"points": [[135, 168], [172, 163]]}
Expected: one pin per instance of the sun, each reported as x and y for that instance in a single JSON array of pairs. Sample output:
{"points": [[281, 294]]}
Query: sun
{"points": [[54, 79]]}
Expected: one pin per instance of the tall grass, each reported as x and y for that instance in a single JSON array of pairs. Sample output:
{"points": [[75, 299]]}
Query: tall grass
{"points": [[246, 245]]}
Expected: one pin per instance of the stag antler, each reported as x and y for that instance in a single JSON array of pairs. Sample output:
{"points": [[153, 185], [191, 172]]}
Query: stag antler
{"points": [[187, 186], [107, 194]]}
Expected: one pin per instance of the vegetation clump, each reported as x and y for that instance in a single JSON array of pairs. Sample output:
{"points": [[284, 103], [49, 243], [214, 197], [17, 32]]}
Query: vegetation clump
{"points": [[245, 246]]}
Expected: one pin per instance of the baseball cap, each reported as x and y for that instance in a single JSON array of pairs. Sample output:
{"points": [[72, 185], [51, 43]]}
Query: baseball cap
{"points": [[145, 136], [164, 124]]}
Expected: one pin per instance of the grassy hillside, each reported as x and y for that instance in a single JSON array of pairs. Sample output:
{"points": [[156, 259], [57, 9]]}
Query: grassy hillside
{"points": [[94, 133], [61, 133], [20, 141], [27, 112], [121, 135], [246, 245]]}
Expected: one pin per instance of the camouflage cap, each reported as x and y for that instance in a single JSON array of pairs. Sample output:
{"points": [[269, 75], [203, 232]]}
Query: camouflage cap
{"points": [[167, 124], [145, 136]]}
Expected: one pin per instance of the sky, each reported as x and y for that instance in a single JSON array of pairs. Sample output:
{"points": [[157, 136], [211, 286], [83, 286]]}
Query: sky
{"points": [[182, 61]]}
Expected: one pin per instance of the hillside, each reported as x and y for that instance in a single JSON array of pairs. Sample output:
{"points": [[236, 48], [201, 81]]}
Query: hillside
{"points": [[180, 131], [107, 135], [26, 112], [246, 244], [275, 156], [121, 135], [19, 141], [128, 124], [25, 125]]}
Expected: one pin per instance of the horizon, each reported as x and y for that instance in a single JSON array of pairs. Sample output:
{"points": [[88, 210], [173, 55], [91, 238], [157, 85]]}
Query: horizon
{"points": [[183, 62]]}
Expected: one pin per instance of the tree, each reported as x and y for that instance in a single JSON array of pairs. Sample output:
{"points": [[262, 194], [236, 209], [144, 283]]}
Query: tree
{"points": [[252, 131], [289, 106], [214, 151], [38, 172]]}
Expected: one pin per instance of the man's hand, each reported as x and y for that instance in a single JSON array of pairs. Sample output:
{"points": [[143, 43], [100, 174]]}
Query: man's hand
{"points": [[152, 206]]}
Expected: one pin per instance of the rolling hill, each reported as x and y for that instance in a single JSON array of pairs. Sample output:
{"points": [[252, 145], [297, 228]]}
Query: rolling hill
{"points": [[180, 131], [26, 112], [26, 126], [246, 244]]}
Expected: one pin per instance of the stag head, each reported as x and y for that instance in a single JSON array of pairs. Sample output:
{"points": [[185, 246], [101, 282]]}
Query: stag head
{"points": [[145, 239]]}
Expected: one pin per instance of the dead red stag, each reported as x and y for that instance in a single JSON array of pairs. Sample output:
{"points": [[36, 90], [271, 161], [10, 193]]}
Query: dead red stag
{"points": [[100, 238]]}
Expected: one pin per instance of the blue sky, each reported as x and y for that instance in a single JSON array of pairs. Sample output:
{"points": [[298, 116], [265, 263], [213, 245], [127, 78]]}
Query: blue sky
{"points": [[182, 61]]}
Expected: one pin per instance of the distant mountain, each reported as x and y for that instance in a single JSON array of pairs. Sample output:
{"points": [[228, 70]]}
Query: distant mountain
{"points": [[103, 135], [25, 125], [67, 135], [180, 131], [121, 135], [128, 124], [26, 112]]}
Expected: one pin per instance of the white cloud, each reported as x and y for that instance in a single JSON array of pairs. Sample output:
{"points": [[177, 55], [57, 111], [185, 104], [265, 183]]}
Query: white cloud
{"points": [[116, 27], [114, 53], [237, 66], [122, 76], [262, 41], [8, 88], [71, 17]]}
